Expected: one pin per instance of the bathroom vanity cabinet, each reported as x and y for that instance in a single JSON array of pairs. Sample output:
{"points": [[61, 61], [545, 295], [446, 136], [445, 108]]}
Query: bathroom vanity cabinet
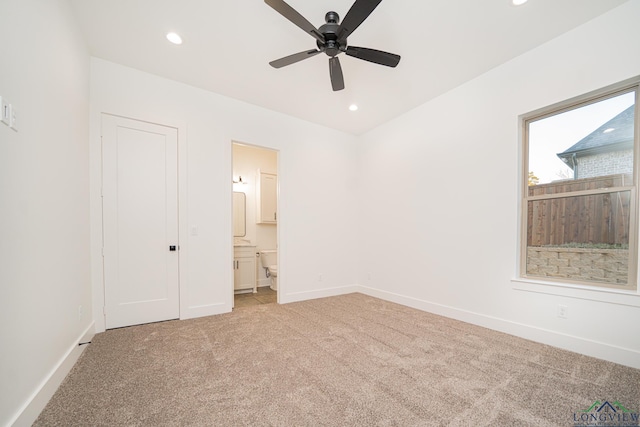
{"points": [[244, 268], [267, 198]]}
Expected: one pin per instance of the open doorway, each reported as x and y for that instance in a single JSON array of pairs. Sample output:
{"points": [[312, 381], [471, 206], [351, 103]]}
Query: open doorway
{"points": [[255, 224]]}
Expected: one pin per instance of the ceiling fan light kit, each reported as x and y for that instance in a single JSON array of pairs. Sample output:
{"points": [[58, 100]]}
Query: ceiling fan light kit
{"points": [[331, 38]]}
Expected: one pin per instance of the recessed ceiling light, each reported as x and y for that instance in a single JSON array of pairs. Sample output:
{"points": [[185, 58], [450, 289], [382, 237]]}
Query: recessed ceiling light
{"points": [[174, 38], [608, 130], [353, 107], [518, 2]]}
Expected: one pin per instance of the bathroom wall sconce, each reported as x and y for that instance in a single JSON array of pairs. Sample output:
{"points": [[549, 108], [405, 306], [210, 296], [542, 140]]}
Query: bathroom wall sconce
{"points": [[239, 181]]}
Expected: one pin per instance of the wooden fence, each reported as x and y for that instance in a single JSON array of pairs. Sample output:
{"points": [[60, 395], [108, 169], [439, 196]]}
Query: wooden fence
{"points": [[592, 219]]}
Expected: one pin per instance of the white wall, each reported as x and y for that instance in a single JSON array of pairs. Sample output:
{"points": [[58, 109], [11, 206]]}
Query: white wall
{"points": [[44, 203], [439, 197], [425, 205], [317, 204]]}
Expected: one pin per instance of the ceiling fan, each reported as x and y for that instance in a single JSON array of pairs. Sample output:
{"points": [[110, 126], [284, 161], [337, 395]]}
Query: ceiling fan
{"points": [[331, 38]]}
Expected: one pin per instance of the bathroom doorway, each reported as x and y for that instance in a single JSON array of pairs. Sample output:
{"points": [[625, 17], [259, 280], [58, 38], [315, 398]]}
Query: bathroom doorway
{"points": [[255, 224]]}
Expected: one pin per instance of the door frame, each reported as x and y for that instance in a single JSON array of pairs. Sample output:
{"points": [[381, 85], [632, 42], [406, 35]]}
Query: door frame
{"points": [[96, 210], [279, 228]]}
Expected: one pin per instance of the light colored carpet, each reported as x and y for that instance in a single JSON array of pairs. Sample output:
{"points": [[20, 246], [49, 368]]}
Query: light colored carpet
{"points": [[350, 360]]}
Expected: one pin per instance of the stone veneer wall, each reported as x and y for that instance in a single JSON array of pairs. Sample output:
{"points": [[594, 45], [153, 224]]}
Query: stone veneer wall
{"points": [[601, 265]]}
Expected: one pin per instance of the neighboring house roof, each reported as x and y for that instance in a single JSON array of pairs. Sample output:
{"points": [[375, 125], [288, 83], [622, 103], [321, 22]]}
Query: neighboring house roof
{"points": [[599, 141]]}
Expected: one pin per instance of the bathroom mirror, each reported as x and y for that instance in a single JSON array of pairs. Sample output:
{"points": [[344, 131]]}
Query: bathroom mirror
{"points": [[239, 214]]}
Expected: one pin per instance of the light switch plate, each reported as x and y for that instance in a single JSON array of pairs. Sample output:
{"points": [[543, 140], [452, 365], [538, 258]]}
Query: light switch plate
{"points": [[13, 120], [5, 114]]}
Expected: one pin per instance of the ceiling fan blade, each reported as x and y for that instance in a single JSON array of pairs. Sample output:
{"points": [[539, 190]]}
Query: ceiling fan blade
{"points": [[292, 59], [372, 55], [360, 10], [335, 70], [292, 15]]}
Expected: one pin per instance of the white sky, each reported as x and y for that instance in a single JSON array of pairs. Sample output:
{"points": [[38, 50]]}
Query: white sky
{"points": [[553, 135]]}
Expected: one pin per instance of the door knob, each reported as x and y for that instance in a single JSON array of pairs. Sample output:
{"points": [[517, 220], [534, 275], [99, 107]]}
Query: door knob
{"points": [[172, 248]]}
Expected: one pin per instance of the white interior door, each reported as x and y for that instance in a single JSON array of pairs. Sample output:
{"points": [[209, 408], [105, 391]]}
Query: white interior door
{"points": [[140, 221]]}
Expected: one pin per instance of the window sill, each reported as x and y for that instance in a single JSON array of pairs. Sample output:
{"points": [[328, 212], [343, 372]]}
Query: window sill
{"points": [[612, 296]]}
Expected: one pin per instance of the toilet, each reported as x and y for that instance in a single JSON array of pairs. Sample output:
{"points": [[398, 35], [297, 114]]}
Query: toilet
{"points": [[269, 259]]}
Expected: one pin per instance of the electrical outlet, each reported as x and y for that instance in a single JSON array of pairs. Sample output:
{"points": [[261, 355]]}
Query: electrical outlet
{"points": [[319, 277], [79, 312], [563, 311]]}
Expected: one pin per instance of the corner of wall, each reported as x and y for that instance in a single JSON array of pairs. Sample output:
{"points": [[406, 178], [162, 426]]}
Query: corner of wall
{"points": [[30, 411]]}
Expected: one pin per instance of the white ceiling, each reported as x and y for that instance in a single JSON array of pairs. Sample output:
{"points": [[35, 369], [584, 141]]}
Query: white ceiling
{"points": [[228, 44]]}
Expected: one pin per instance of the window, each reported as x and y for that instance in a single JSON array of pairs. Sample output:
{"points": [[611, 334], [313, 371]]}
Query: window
{"points": [[579, 204]]}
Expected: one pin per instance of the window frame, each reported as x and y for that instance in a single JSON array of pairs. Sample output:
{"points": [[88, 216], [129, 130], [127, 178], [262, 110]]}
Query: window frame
{"points": [[611, 91]]}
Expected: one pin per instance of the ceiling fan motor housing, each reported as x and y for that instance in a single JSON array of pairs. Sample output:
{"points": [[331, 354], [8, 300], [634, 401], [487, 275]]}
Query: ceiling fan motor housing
{"points": [[329, 30]]}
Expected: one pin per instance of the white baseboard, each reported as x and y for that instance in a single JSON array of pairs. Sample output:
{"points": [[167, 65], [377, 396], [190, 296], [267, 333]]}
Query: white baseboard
{"points": [[612, 353], [26, 415], [318, 293]]}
